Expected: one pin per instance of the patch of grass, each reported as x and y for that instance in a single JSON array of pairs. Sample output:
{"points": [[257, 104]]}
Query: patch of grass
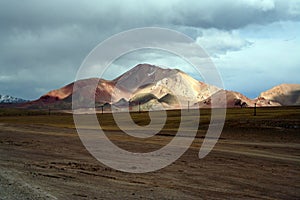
{"points": [[235, 117], [21, 112]]}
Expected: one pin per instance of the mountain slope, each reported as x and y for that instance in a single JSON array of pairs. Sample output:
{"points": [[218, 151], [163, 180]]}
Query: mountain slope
{"points": [[235, 99], [10, 99], [144, 82], [285, 94], [84, 91], [150, 87], [178, 83]]}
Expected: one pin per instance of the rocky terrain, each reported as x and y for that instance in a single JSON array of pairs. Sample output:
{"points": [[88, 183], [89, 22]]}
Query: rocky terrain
{"points": [[285, 94], [150, 87]]}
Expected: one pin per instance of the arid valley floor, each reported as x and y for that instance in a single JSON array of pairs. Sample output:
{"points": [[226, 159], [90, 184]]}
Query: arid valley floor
{"points": [[256, 157]]}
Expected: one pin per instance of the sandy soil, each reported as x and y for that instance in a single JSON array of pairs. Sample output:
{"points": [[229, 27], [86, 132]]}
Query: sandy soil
{"points": [[48, 162]]}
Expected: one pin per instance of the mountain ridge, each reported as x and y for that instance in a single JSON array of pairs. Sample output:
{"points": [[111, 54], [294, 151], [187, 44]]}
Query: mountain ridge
{"points": [[151, 85], [285, 94], [7, 99]]}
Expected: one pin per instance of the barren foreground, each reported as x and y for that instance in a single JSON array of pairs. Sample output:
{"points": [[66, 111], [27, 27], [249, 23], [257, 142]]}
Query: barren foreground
{"points": [[42, 157]]}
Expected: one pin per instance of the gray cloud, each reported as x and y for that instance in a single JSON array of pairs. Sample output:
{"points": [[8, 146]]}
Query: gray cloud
{"points": [[218, 42], [226, 14]]}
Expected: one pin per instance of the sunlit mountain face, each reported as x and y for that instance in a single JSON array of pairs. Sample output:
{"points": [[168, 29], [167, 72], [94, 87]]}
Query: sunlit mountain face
{"points": [[151, 86]]}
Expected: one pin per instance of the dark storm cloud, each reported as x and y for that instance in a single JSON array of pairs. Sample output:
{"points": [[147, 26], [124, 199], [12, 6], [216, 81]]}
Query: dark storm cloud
{"points": [[224, 14], [44, 42]]}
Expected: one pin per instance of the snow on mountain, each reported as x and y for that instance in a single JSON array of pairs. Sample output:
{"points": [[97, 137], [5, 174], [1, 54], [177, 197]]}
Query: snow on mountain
{"points": [[10, 99]]}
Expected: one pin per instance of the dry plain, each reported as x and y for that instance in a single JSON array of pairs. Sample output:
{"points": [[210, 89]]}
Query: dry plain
{"points": [[256, 157]]}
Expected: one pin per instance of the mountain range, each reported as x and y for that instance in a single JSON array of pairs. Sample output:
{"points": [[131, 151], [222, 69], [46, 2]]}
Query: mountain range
{"points": [[151, 86], [7, 99]]}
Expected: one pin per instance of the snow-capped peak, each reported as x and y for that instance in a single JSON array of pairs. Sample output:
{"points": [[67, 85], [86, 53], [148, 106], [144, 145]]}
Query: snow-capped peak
{"points": [[10, 99]]}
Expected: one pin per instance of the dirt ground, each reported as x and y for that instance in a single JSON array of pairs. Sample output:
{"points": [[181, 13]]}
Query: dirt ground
{"points": [[255, 158]]}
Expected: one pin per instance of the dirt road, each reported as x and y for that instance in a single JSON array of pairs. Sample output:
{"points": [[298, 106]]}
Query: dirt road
{"points": [[48, 162]]}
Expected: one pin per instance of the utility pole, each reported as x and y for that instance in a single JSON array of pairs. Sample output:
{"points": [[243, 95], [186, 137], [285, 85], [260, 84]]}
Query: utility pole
{"points": [[102, 109], [188, 106], [139, 107], [254, 109]]}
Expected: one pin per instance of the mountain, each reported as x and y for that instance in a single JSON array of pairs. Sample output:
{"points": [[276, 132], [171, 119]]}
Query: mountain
{"points": [[236, 99], [160, 82], [143, 83], [62, 98], [10, 100], [285, 94], [150, 87]]}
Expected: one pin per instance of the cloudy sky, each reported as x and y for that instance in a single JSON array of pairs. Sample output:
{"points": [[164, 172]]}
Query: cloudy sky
{"points": [[254, 44]]}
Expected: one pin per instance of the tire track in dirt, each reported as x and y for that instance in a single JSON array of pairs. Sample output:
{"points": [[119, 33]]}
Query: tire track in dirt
{"points": [[13, 186]]}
